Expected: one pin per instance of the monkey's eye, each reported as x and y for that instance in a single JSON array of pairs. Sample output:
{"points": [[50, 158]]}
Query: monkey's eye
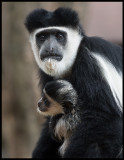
{"points": [[46, 102], [60, 36], [41, 37]]}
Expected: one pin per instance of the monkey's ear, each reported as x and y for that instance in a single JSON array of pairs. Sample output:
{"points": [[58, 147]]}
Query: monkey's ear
{"points": [[36, 19], [67, 107], [67, 16], [68, 104]]}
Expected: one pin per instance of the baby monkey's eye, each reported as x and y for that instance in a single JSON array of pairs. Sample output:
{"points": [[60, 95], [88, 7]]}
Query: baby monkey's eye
{"points": [[46, 101]]}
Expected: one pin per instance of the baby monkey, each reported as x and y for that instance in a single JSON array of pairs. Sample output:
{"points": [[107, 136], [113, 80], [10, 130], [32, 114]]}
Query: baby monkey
{"points": [[59, 101], [59, 97]]}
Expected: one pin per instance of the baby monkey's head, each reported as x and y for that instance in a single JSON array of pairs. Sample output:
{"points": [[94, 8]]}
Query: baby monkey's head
{"points": [[59, 97]]}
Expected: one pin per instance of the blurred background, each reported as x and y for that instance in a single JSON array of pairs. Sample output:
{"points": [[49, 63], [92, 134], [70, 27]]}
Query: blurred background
{"points": [[21, 124]]}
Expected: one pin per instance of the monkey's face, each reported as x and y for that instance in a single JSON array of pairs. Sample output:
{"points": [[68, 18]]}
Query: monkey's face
{"points": [[48, 106], [55, 49], [59, 97], [51, 44]]}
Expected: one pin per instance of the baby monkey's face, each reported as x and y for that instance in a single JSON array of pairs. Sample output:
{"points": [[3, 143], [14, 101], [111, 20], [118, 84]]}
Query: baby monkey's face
{"points": [[49, 107], [43, 104], [59, 97]]}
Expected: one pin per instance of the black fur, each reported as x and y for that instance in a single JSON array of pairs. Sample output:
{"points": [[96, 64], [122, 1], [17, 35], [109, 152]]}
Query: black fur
{"points": [[99, 135], [47, 146], [60, 17]]}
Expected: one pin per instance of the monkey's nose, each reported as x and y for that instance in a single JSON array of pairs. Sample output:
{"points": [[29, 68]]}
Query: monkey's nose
{"points": [[51, 50]]}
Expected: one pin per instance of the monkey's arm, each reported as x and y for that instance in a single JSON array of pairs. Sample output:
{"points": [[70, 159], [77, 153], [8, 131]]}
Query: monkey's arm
{"points": [[96, 137], [46, 146]]}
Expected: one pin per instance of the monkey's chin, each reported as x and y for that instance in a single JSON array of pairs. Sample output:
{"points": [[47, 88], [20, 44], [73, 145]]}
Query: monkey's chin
{"points": [[50, 64], [42, 113], [54, 111], [54, 68]]}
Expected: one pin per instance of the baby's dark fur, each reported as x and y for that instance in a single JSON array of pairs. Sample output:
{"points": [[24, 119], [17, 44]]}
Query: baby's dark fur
{"points": [[64, 103], [98, 133]]}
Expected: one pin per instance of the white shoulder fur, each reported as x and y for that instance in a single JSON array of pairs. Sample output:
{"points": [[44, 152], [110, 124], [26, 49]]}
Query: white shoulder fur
{"points": [[112, 77]]}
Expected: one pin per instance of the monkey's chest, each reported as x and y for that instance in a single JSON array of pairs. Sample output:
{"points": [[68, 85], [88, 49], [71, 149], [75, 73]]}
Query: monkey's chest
{"points": [[62, 132], [60, 127]]}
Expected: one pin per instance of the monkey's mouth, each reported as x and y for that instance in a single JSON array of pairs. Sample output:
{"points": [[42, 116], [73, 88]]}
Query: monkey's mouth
{"points": [[49, 57]]}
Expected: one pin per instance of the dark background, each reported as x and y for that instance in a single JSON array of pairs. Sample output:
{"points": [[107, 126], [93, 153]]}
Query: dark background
{"points": [[21, 124]]}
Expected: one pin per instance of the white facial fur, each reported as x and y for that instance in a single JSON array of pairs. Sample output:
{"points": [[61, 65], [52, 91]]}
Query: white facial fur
{"points": [[112, 77], [53, 67]]}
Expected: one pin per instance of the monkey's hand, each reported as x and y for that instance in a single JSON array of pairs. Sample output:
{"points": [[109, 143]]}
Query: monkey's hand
{"points": [[58, 97]]}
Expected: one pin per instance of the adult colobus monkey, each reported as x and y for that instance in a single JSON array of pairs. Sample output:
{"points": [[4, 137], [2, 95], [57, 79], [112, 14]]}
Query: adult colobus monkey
{"points": [[81, 79]]}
